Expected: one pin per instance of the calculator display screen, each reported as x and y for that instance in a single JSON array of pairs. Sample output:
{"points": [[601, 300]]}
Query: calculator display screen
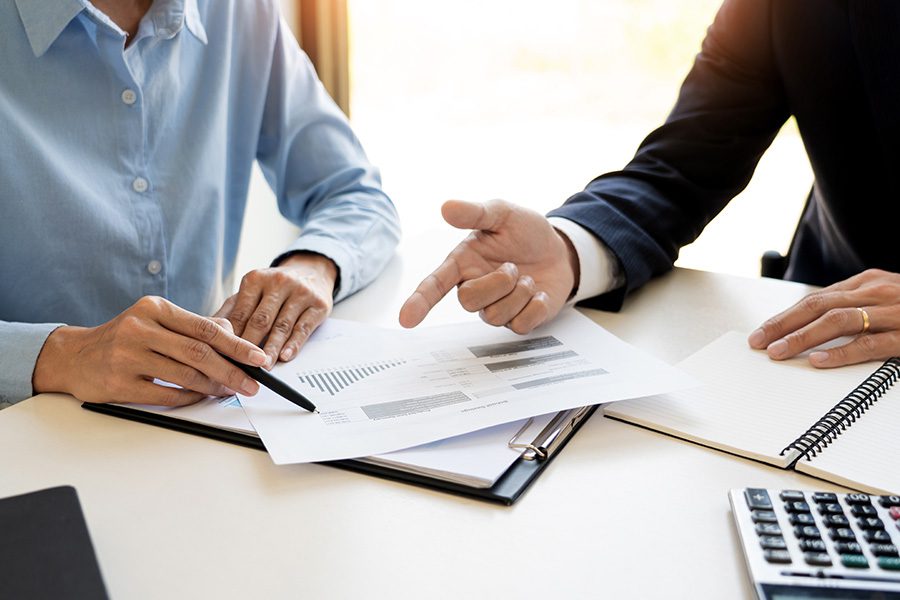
{"points": [[793, 592]]}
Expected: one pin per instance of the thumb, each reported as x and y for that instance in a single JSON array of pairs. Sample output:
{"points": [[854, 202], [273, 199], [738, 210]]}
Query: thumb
{"points": [[471, 215]]}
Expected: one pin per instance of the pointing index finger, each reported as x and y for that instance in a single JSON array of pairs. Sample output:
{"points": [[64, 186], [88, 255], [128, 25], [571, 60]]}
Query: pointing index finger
{"points": [[429, 293]]}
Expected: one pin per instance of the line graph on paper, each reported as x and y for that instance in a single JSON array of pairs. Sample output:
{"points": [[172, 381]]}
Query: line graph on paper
{"points": [[334, 381]]}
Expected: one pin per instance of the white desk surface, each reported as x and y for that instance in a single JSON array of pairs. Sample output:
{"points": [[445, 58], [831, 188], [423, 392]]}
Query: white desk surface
{"points": [[623, 513]]}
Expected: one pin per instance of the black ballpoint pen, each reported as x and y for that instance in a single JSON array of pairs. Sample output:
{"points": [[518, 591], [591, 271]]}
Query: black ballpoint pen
{"points": [[274, 384]]}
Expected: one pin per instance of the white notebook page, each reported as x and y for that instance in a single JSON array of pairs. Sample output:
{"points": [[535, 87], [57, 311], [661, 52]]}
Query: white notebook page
{"points": [[864, 456], [749, 404]]}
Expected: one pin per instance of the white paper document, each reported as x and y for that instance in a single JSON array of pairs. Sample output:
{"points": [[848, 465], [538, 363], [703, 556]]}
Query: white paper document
{"points": [[399, 389]]}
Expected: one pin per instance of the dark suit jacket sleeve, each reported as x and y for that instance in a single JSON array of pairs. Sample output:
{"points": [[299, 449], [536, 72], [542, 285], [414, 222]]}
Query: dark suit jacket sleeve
{"points": [[729, 110]]}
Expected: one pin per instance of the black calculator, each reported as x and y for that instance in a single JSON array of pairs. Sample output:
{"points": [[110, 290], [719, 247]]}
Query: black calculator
{"points": [[812, 545]]}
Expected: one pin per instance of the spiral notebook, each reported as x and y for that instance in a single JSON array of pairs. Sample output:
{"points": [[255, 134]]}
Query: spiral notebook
{"points": [[841, 425]]}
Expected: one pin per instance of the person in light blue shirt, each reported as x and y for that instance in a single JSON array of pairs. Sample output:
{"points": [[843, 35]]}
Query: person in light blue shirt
{"points": [[128, 130]]}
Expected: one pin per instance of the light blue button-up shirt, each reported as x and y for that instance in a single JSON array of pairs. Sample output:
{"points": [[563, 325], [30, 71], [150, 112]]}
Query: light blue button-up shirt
{"points": [[124, 172]]}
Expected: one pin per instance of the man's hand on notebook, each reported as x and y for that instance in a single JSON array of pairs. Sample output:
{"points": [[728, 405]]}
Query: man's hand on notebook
{"points": [[514, 269], [865, 306]]}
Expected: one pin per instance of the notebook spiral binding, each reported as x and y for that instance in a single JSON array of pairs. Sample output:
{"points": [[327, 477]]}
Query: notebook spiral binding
{"points": [[846, 412]]}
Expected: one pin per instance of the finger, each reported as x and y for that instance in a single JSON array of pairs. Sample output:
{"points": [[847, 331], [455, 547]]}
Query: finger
{"points": [[535, 313], [469, 215], [209, 333], [157, 366], [161, 395], [305, 326], [479, 293], [429, 293], [263, 317], [224, 323], [835, 323], [283, 327], [245, 302], [505, 310], [226, 308], [203, 357], [802, 313], [876, 346]]}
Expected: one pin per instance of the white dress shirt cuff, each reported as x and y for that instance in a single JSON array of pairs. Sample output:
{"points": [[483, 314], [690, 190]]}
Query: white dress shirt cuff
{"points": [[599, 267]]}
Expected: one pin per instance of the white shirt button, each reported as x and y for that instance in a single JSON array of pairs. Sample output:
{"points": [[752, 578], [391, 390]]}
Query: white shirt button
{"points": [[154, 267], [140, 185], [129, 97]]}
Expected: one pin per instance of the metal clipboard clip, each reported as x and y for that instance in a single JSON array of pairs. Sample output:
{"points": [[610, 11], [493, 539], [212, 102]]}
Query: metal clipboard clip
{"points": [[551, 436]]}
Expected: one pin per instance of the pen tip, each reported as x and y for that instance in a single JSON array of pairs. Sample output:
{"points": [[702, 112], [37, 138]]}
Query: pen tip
{"points": [[316, 411]]}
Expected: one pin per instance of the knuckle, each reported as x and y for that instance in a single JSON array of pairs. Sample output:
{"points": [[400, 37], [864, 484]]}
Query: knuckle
{"points": [[491, 316], [814, 303], [773, 327], [282, 326], [868, 344], [836, 318], [526, 283], [303, 329], [238, 315], [261, 319], [205, 329], [250, 278], [197, 351], [839, 354], [190, 378], [150, 304]]}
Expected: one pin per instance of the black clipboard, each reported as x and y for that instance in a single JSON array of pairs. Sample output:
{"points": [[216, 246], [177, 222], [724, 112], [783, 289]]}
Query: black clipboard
{"points": [[537, 453]]}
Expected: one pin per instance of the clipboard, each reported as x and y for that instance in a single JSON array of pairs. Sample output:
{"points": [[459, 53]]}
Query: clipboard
{"points": [[537, 453]]}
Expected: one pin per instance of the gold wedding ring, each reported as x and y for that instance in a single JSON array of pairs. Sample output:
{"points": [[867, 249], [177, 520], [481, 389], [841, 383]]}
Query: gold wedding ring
{"points": [[866, 322]]}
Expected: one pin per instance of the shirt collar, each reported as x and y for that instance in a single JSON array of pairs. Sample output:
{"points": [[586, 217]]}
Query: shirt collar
{"points": [[44, 20]]}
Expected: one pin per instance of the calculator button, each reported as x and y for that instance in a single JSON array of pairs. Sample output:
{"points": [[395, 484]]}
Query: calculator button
{"points": [[768, 529], [889, 563], [802, 519], [796, 507], [870, 523], [810, 532], [843, 534], [853, 499], [883, 549], [772, 542], [757, 498], [848, 547], [889, 501], [777, 556], [824, 497], [763, 516], [820, 559], [863, 510], [792, 496], [814, 546], [895, 512], [836, 521], [854, 561], [880, 535], [831, 508]]}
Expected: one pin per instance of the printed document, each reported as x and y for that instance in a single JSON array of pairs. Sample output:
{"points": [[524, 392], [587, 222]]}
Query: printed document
{"points": [[382, 393]]}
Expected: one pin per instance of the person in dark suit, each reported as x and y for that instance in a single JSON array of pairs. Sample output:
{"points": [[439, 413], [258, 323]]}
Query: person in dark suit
{"points": [[832, 64]]}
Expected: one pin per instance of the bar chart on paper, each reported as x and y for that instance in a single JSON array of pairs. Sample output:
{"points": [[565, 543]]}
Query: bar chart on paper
{"points": [[333, 381]]}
